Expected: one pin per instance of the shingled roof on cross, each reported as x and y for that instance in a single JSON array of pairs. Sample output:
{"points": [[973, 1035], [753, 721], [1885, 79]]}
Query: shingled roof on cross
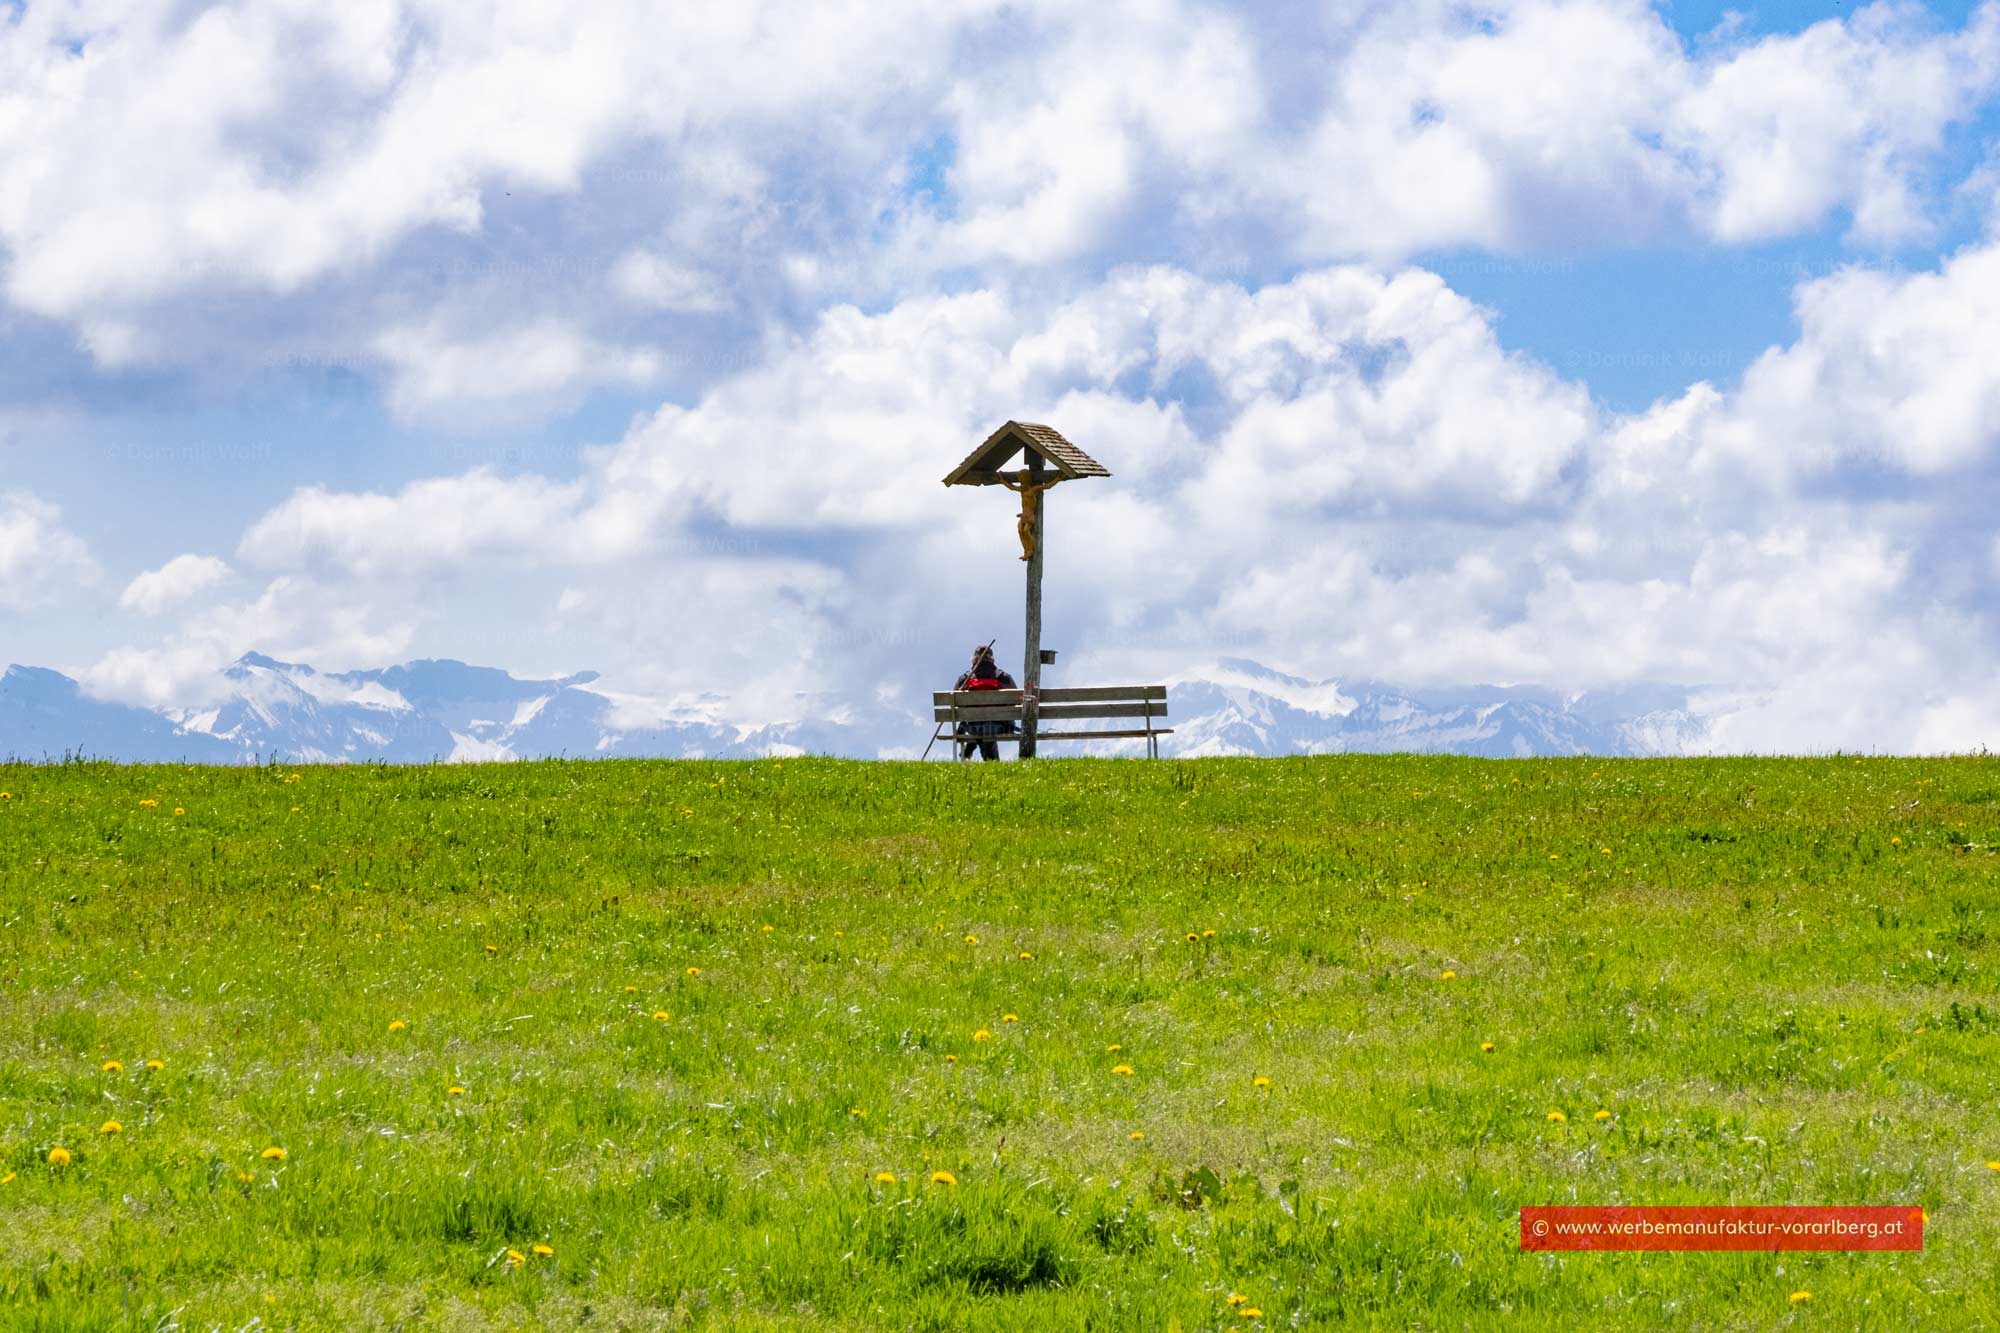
{"points": [[982, 466]]}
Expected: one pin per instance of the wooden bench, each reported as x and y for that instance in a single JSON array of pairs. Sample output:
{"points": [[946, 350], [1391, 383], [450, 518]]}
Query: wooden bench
{"points": [[955, 709]]}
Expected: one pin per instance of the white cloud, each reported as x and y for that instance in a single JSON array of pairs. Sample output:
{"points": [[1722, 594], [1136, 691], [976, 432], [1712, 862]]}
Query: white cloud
{"points": [[655, 280], [436, 371], [40, 559], [173, 583]]}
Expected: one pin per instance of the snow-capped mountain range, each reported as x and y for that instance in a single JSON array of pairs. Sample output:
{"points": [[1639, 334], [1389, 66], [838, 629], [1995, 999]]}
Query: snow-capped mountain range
{"points": [[444, 710]]}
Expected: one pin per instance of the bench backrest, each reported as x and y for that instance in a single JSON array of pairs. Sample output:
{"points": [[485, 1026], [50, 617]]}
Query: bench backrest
{"points": [[1090, 701]]}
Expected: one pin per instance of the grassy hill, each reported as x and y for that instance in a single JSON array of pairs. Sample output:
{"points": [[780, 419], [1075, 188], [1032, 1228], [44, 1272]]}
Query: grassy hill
{"points": [[1073, 1044]]}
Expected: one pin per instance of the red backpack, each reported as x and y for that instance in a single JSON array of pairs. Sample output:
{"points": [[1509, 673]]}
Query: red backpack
{"points": [[982, 683]]}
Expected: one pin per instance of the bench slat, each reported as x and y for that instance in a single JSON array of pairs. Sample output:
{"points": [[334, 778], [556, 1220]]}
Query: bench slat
{"points": [[939, 698], [1101, 693], [1065, 736], [1048, 711]]}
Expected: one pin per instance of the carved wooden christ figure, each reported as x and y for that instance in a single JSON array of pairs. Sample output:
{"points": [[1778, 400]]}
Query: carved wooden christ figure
{"points": [[1031, 496]]}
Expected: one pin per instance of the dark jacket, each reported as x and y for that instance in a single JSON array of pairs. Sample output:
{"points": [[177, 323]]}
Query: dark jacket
{"points": [[1006, 683]]}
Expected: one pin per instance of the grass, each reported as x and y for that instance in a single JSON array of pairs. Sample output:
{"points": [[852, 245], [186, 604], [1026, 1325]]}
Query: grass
{"points": [[1777, 976]]}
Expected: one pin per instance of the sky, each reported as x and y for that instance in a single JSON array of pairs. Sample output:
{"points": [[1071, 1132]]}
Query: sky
{"points": [[1588, 345]]}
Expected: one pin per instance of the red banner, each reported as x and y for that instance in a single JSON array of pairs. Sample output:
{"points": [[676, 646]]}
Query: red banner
{"points": [[1706, 1227]]}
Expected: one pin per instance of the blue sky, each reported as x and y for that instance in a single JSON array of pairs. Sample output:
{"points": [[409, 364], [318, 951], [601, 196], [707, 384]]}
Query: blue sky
{"points": [[1582, 343]]}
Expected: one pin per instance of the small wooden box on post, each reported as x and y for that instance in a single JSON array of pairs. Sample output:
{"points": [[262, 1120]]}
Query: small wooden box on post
{"points": [[1048, 459]]}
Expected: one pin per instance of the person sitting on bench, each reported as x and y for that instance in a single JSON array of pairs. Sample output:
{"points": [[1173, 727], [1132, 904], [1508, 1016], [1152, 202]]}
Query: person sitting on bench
{"points": [[985, 674]]}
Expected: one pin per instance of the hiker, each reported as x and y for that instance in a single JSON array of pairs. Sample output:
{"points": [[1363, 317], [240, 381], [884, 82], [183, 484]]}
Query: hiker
{"points": [[984, 674]]}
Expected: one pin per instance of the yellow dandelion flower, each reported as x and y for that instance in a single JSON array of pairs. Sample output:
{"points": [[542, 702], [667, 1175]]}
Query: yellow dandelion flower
{"points": [[769, 929], [885, 1177], [1138, 1134], [855, 1110], [660, 1015], [1601, 1115], [273, 1154], [454, 1091], [972, 939], [1123, 1071], [179, 811], [111, 1127], [1251, 1312], [1010, 1018], [1261, 1081], [515, 1258], [1558, 1118], [1208, 934], [943, 1178], [694, 971], [1993, 1166], [244, 1177], [543, 1251], [58, 1157], [112, 1067], [631, 990], [9, 1177], [951, 1059], [1604, 850], [150, 804], [982, 1035], [156, 1065], [1486, 1046], [1799, 1297], [7, 796], [1192, 937], [397, 1025], [1235, 1300], [1447, 975], [491, 948], [1555, 856], [1114, 1046], [1028, 956]]}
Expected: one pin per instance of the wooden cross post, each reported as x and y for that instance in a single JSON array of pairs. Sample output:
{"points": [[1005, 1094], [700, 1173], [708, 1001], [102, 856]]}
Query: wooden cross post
{"points": [[1031, 671]]}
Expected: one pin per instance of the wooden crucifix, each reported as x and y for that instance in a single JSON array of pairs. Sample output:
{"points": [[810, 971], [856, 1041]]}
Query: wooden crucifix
{"points": [[1049, 459]]}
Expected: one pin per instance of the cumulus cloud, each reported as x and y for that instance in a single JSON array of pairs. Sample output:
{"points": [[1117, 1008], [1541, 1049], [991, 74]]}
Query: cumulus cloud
{"points": [[173, 583], [40, 559]]}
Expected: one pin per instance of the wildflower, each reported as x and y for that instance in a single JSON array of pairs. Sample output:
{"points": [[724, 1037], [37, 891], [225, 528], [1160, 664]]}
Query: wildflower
{"points": [[943, 1178], [156, 1065], [972, 939], [1138, 1134], [1486, 1046], [1114, 1046], [244, 1177], [1192, 937], [1993, 1166], [1010, 1018], [149, 803], [768, 929], [1251, 1312], [9, 1177], [491, 948], [694, 971], [1447, 975], [1208, 934], [58, 1157], [885, 1177], [1605, 850], [111, 1127], [1799, 1297], [542, 1251], [113, 1067], [1027, 956], [297, 808], [951, 1059], [179, 811], [1555, 856], [659, 1015], [7, 796], [982, 1035], [454, 1091], [1895, 842], [855, 1110], [1261, 1081], [515, 1258], [1123, 1071], [1558, 1118], [1601, 1115], [1235, 1300], [396, 1025], [273, 1154], [631, 990]]}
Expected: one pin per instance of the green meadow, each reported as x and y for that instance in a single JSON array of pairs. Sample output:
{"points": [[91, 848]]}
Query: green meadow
{"points": [[1074, 1044]]}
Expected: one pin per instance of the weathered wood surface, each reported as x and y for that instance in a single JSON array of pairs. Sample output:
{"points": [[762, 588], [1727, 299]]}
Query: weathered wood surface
{"points": [[983, 465], [1063, 695], [1031, 671], [1013, 712], [1063, 736]]}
